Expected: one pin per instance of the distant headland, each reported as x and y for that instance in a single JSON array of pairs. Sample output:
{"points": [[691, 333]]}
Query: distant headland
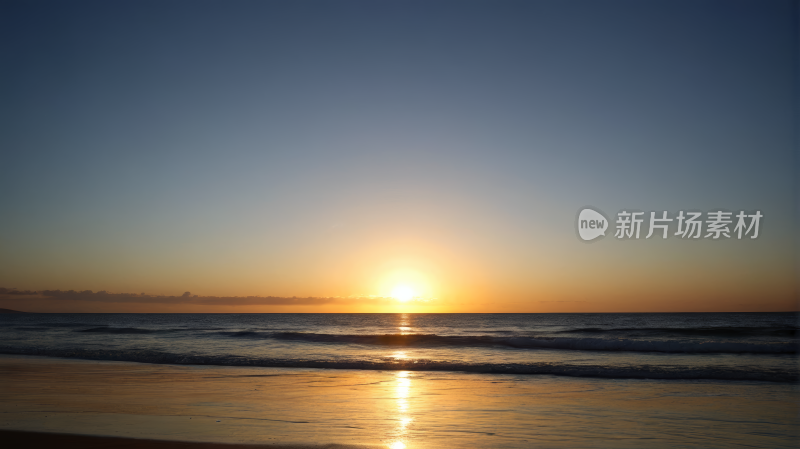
{"points": [[10, 311]]}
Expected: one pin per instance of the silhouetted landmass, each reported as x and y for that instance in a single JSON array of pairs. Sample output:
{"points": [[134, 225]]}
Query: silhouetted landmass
{"points": [[10, 311]]}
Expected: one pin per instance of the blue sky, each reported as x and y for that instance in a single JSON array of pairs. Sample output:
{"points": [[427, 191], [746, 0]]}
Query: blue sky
{"points": [[282, 148]]}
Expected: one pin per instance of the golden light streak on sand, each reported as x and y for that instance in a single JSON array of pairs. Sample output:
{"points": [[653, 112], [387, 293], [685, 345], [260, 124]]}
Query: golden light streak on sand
{"points": [[403, 390]]}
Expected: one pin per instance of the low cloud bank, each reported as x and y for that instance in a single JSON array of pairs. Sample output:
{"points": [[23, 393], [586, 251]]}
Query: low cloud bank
{"points": [[186, 298]]}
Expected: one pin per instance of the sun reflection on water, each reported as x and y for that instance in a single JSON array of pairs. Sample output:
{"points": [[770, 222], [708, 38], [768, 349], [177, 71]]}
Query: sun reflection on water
{"points": [[399, 355], [404, 323]]}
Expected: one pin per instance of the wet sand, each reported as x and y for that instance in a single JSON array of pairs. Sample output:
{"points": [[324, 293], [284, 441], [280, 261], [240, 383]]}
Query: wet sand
{"points": [[394, 409]]}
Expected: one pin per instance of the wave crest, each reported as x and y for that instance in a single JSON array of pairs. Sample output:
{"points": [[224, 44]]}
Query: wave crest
{"points": [[557, 369], [563, 343]]}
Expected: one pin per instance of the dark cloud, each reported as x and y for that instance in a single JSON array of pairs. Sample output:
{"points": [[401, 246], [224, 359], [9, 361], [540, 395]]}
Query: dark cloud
{"points": [[15, 292], [186, 298]]}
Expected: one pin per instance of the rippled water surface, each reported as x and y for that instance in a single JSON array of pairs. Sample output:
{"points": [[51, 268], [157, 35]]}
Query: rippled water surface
{"points": [[715, 346]]}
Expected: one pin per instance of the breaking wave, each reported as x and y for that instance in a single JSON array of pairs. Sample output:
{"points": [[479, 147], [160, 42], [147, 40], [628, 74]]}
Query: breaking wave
{"points": [[712, 331], [614, 372], [563, 343], [722, 340]]}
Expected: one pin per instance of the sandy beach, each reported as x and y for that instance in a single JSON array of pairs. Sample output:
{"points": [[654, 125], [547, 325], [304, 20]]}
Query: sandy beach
{"points": [[296, 407]]}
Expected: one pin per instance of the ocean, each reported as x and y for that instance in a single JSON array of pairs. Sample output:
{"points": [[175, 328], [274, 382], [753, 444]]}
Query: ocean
{"points": [[677, 346], [407, 381]]}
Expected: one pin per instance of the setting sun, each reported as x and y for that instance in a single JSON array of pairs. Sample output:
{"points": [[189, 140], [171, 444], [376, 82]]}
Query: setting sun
{"points": [[403, 293]]}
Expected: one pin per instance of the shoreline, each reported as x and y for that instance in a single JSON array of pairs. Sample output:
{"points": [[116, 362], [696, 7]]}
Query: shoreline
{"points": [[21, 439]]}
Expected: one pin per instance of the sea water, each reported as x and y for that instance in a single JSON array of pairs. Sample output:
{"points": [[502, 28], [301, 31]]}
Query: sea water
{"points": [[711, 346]]}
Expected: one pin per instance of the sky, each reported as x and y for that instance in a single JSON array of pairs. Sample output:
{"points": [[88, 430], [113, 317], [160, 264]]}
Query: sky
{"points": [[394, 156]]}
